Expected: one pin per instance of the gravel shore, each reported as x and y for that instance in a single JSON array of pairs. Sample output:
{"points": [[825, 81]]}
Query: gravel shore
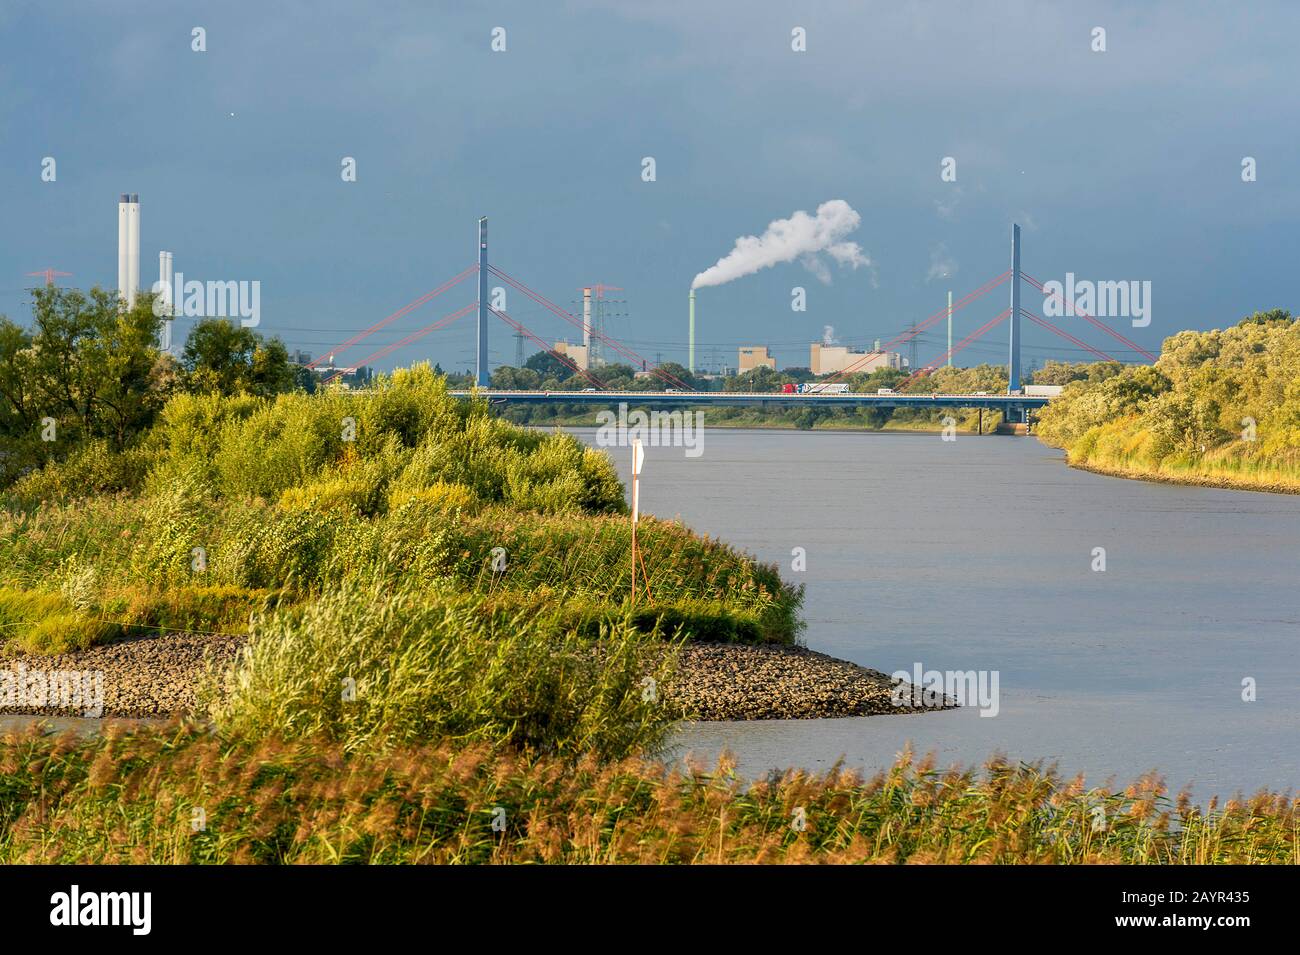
{"points": [[142, 676], [159, 676], [718, 681]]}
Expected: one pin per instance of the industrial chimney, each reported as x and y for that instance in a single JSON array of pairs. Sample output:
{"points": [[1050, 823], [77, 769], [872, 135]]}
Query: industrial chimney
{"points": [[690, 356], [123, 203], [165, 274], [586, 320], [133, 249], [165, 292], [128, 247]]}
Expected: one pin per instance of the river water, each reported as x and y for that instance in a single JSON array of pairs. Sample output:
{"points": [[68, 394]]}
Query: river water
{"points": [[978, 554]]}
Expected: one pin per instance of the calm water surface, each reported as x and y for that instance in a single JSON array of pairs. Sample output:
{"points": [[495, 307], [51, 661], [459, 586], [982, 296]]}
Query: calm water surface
{"points": [[976, 555]]}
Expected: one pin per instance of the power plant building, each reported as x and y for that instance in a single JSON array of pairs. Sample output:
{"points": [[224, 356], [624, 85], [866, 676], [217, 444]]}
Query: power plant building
{"points": [[829, 359], [578, 354], [754, 356]]}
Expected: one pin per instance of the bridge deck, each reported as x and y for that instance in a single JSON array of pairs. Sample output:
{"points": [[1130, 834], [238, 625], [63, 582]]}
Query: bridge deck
{"points": [[1001, 402]]}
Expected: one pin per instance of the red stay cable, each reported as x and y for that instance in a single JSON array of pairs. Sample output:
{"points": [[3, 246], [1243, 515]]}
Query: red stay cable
{"points": [[426, 297]]}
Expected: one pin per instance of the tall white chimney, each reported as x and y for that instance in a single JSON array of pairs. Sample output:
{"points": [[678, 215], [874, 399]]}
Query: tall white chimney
{"points": [[132, 249], [165, 273], [586, 318], [161, 304], [123, 204]]}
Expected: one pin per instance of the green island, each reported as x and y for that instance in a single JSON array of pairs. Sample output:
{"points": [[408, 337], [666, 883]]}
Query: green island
{"points": [[434, 656]]}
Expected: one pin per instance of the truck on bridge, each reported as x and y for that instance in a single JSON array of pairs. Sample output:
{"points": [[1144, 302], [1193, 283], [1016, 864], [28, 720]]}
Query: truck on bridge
{"points": [[816, 388]]}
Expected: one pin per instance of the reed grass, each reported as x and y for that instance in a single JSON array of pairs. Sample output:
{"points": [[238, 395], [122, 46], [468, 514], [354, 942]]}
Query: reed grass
{"points": [[180, 795], [373, 668]]}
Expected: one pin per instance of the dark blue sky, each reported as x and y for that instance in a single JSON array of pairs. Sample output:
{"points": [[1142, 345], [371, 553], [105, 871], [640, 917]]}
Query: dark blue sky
{"points": [[1118, 165]]}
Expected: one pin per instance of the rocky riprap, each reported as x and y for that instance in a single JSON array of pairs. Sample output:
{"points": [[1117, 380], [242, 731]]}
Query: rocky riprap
{"points": [[739, 682], [159, 676], [142, 676]]}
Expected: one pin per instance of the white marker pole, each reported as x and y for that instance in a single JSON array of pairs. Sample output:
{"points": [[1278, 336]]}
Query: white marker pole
{"points": [[638, 458]]}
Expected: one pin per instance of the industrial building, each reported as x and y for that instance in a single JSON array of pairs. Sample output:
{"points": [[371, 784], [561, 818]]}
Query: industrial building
{"points": [[754, 356], [578, 354], [829, 359]]}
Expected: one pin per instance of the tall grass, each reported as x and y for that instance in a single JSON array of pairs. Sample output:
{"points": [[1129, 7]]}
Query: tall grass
{"points": [[182, 796], [373, 669]]}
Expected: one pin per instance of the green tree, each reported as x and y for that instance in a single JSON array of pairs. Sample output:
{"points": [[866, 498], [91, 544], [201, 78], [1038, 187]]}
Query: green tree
{"points": [[87, 370], [548, 364], [16, 379], [227, 358], [761, 379], [679, 372], [94, 365], [507, 378], [1056, 372], [1271, 317]]}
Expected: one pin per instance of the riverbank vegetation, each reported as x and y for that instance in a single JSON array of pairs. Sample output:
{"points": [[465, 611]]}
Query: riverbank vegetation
{"points": [[442, 661], [186, 796], [232, 505], [1217, 408]]}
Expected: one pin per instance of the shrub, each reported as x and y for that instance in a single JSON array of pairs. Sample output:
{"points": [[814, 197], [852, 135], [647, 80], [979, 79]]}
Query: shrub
{"points": [[419, 668], [441, 496], [263, 547], [93, 468], [175, 520], [338, 495]]}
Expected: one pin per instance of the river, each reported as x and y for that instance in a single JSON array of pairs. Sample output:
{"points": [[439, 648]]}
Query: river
{"points": [[978, 554]]}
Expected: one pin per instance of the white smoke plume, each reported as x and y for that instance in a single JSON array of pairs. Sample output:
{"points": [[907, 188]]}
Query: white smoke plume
{"points": [[803, 237], [942, 265]]}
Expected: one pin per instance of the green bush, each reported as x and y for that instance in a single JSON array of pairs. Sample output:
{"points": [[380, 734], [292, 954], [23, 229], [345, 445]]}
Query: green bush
{"points": [[177, 517], [290, 496], [93, 468], [372, 668], [264, 547]]}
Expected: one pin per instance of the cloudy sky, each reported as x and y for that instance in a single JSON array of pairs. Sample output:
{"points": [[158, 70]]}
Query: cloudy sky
{"points": [[1119, 165]]}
